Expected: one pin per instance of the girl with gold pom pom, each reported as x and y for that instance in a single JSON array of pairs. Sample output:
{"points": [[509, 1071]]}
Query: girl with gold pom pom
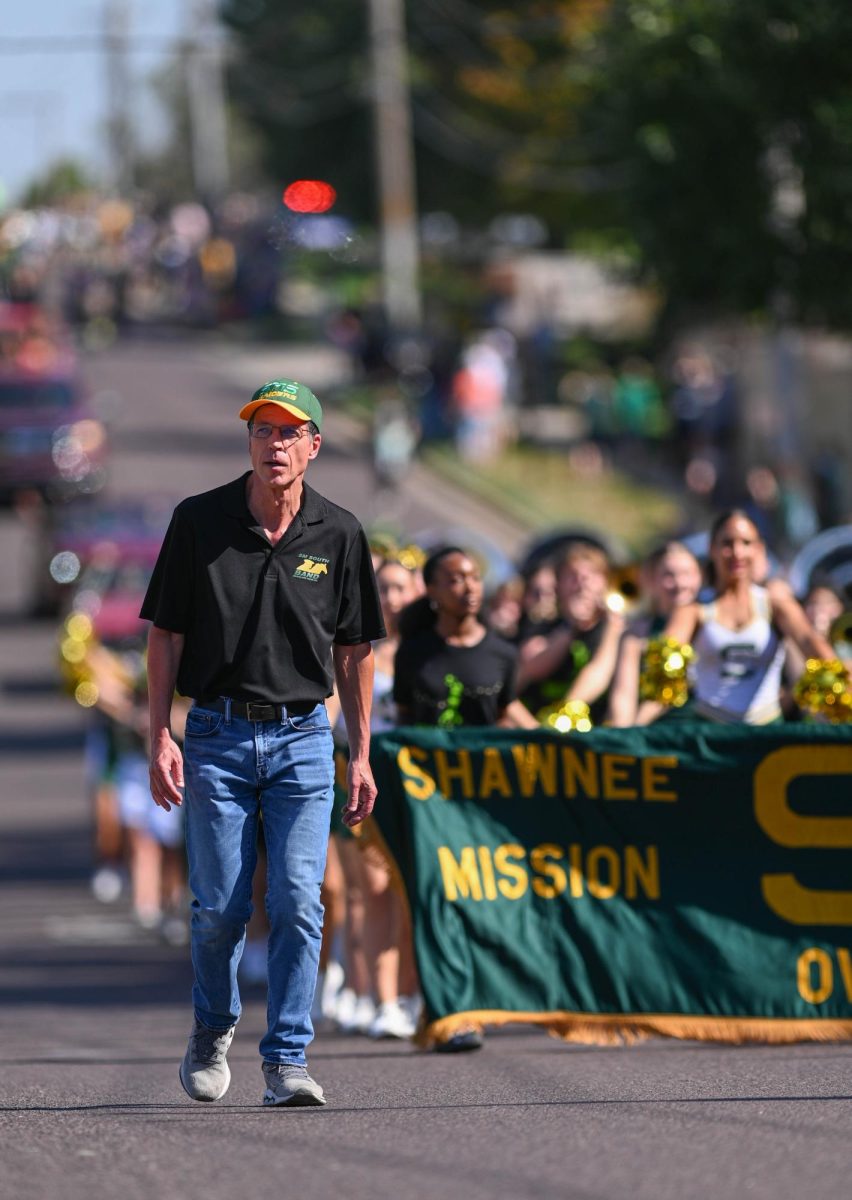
{"points": [[738, 636]]}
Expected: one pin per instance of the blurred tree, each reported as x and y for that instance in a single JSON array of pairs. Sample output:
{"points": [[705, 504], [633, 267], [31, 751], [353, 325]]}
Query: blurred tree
{"points": [[733, 124], [709, 140], [61, 180], [495, 95], [301, 77]]}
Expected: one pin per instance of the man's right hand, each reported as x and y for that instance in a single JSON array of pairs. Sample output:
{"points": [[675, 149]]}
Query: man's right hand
{"points": [[166, 771]]}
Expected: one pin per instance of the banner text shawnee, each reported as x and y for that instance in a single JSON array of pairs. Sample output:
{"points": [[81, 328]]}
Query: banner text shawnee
{"points": [[535, 769]]}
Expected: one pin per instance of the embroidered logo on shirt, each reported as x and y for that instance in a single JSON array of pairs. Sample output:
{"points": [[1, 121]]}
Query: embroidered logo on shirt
{"points": [[311, 568]]}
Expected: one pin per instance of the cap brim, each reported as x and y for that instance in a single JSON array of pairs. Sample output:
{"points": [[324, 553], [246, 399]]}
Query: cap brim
{"points": [[253, 405]]}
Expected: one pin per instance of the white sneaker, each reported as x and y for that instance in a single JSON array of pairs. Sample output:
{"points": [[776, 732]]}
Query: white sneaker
{"points": [[148, 918], [107, 884], [332, 986], [391, 1021], [174, 930], [319, 1020], [344, 1009], [365, 1011], [354, 1013], [413, 1005]]}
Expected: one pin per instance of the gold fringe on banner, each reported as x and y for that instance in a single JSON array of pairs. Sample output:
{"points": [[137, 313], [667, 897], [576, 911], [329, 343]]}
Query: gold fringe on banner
{"points": [[613, 1029]]}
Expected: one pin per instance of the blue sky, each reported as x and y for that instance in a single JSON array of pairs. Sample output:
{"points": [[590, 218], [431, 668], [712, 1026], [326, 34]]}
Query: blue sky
{"points": [[53, 104]]}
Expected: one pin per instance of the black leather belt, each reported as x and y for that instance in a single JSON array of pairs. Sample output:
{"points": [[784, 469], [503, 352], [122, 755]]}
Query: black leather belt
{"points": [[253, 710]]}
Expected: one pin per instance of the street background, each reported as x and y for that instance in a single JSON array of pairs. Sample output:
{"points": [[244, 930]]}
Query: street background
{"points": [[572, 268], [94, 1012]]}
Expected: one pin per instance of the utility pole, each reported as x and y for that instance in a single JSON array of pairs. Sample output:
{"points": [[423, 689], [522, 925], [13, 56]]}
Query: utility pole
{"points": [[205, 82], [118, 81], [395, 164]]}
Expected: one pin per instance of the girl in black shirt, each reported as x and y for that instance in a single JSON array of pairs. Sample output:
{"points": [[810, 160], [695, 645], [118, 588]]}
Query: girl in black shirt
{"points": [[449, 669]]}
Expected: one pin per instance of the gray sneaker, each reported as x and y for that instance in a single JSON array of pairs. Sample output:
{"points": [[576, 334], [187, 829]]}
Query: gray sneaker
{"points": [[290, 1086], [204, 1072]]}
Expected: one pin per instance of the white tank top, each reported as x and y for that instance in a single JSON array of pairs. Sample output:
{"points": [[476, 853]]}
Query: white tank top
{"points": [[736, 676], [384, 709]]}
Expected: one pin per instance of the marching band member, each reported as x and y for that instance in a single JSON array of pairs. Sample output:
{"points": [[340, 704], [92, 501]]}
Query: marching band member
{"points": [[738, 636], [671, 578]]}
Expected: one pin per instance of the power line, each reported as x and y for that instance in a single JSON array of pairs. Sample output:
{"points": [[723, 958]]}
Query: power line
{"points": [[500, 138], [330, 74], [291, 109], [448, 141], [463, 13], [443, 33], [94, 43]]}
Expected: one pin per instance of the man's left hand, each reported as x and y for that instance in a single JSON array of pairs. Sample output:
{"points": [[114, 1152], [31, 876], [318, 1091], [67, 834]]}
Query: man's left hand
{"points": [[362, 793]]}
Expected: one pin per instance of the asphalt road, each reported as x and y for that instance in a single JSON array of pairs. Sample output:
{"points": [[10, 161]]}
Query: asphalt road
{"points": [[94, 1014]]}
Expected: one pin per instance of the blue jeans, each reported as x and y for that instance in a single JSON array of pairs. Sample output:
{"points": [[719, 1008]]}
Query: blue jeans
{"points": [[234, 770]]}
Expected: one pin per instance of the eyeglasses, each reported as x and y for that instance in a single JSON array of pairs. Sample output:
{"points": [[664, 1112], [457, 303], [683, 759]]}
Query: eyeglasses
{"points": [[288, 434]]}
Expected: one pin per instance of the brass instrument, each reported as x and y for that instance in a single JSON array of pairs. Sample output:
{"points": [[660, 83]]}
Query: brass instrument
{"points": [[624, 591]]}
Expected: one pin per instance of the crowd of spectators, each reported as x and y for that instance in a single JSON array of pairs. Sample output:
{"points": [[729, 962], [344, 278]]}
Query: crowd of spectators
{"points": [[109, 265]]}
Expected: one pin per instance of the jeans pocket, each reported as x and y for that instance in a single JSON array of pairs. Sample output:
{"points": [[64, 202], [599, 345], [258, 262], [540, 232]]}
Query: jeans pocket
{"points": [[200, 723], [317, 718]]}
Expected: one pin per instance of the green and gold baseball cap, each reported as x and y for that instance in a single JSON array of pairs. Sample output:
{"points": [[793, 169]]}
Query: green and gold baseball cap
{"points": [[293, 397]]}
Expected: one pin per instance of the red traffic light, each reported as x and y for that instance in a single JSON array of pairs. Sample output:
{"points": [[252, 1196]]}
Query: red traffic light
{"points": [[309, 196]]}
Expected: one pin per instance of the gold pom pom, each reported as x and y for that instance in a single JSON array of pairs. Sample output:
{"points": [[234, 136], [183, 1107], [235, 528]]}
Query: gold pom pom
{"points": [[824, 689], [411, 557], [86, 694], [663, 677], [567, 717]]}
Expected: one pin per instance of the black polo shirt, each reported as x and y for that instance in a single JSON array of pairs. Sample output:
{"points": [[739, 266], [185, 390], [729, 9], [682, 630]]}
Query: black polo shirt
{"points": [[260, 620]]}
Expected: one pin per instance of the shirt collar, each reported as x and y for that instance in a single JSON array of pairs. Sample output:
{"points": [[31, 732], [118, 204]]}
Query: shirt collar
{"points": [[313, 508]]}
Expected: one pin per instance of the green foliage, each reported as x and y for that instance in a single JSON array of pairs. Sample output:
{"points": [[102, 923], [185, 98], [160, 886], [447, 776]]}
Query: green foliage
{"points": [[708, 141], [301, 78], [61, 180], [732, 120], [495, 93]]}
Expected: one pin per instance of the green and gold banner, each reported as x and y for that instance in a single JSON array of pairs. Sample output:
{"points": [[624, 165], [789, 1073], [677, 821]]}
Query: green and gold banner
{"points": [[688, 879]]}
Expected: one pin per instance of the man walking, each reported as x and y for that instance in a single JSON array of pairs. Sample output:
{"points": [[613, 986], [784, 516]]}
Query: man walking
{"points": [[262, 595]]}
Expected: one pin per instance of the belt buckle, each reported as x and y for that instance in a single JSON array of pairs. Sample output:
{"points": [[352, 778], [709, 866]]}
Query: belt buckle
{"points": [[260, 712]]}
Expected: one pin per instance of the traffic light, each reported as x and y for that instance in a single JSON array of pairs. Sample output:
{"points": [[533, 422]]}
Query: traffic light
{"points": [[309, 196]]}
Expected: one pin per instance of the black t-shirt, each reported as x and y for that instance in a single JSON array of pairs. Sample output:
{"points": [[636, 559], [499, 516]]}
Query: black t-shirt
{"points": [[553, 689], [527, 628], [449, 686], [260, 620]]}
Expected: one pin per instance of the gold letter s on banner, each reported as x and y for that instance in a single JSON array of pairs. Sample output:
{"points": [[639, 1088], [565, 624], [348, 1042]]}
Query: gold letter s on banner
{"points": [[788, 898]]}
